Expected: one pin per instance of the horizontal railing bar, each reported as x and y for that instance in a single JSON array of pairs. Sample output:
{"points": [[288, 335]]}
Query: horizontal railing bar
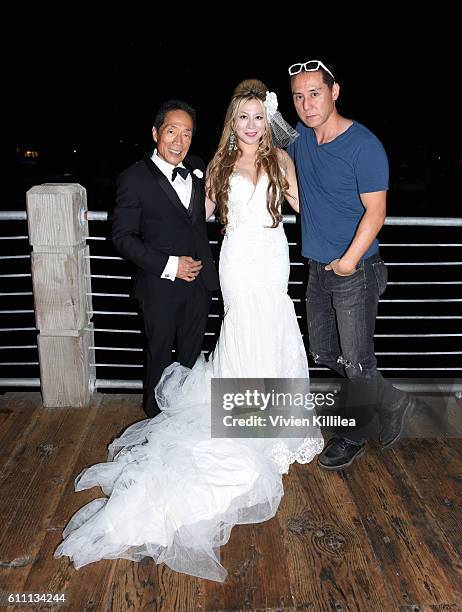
{"points": [[430, 300], [19, 346], [423, 263], [418, 369], [117, 331], [440, 387], [411, 317], [108, 276], [428, 387], [19, 363], [14, 237], [110, 312], [97, 215], [14, 256], [15, 311], [422, 353], [416, 335], [13, 215], [419, 353], [15, 275], [113, 348], [436, 317], [117, 365], [124, 295], [419, 244], [9, 329], [19, 382], [102, 257], [447, 263], [420, 221], [102, 215], [432, 221], [102, 383], [17, 293], [448, 335], [424, 283]]}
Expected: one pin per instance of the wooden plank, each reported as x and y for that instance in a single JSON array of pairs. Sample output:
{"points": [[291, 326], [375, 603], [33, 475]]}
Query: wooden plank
{"points": [[55, 215], [32, 486], [442, 608], [437, 608], [420, 567], [331, 563], [5, 414], [240, 558], [65, 368], [91, 586], [59, 289], [435, 469], [273, 583], [258, 576], [20, 412], [147, 586]]}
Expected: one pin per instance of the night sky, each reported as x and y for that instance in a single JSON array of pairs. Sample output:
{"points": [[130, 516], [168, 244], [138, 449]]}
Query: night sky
{"points": [[97, 91]]}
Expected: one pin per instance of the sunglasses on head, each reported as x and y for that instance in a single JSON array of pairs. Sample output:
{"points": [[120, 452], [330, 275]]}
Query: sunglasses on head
{"points": [[310, 66]]}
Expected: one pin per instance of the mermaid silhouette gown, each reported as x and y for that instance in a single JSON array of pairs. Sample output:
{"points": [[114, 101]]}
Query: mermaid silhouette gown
{"points": [[174, 492]]}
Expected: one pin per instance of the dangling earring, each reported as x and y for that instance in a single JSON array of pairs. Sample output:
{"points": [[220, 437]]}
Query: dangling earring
{"points": [[232, 146]]}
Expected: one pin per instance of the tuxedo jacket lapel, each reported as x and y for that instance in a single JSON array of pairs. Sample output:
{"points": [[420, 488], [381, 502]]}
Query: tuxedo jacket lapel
{"points": [[167, 187]]}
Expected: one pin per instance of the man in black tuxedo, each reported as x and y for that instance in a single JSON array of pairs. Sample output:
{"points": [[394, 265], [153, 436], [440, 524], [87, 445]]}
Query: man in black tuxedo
{"points": [[159, 224]]}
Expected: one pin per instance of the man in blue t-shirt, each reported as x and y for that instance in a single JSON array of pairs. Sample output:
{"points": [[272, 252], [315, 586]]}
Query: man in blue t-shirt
{"points": [[342, 173]]}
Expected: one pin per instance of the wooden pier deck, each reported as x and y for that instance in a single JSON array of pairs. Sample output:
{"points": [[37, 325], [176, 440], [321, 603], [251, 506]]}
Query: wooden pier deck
{"points": [[384, 536]]}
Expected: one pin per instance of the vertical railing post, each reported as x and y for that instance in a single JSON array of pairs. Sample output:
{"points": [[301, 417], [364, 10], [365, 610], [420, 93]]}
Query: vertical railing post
{"points": [[58, 229]]}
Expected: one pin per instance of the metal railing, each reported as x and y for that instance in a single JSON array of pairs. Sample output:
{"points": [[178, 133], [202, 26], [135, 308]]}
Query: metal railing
{"points": [[432, 321], [16, 307]]}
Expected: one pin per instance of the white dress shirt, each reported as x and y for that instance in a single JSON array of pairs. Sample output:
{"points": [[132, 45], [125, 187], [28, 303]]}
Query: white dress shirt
{"points": [[183, 189]]}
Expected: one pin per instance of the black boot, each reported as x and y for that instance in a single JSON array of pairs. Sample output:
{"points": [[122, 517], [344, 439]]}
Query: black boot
{"points": [[392, 421], [340, 453]]}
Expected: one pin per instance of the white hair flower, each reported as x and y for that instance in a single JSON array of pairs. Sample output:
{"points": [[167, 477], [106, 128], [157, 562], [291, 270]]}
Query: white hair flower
{"points": [[271, 103], [198, 173]]}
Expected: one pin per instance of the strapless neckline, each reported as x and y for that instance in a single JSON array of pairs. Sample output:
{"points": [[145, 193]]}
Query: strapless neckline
{"points": [[245, 178]]}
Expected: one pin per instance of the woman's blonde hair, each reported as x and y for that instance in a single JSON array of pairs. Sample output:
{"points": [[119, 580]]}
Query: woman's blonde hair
{"points": [[222, 165]]}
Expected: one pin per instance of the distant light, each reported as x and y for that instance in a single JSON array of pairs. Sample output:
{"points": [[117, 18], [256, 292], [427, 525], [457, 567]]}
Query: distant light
{"points": [[74, 150], [29, 154]]}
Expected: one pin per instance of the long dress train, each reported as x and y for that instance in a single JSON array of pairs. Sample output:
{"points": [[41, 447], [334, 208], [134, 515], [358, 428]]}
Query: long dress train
{"points": [[173, 491]]}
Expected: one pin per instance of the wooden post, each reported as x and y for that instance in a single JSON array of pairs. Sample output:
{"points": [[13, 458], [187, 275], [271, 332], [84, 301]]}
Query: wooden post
{"points": [[58, 228]]}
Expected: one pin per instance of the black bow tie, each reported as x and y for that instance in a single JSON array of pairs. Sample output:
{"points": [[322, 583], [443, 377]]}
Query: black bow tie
{"points": [[183, 172]]}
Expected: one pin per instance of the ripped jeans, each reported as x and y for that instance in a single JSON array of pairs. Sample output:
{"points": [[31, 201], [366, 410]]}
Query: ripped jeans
{"points": [[341, 313]]}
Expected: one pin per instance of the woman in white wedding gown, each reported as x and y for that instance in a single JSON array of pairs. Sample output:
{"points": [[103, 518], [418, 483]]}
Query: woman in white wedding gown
{"points": [[174, 492]]}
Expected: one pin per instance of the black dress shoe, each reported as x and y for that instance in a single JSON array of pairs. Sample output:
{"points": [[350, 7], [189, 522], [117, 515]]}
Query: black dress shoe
{"points": [[339, 453], [392, 421]]}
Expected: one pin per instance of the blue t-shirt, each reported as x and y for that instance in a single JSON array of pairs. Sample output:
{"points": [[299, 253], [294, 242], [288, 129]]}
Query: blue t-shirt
{"points": [[331, 177]]}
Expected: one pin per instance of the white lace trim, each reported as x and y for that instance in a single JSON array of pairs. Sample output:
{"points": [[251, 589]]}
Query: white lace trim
{"points": [[304, 454]]}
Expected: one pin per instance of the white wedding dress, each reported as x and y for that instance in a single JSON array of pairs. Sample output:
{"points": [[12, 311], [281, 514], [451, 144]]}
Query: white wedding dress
{"points": [[174, 492]]}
